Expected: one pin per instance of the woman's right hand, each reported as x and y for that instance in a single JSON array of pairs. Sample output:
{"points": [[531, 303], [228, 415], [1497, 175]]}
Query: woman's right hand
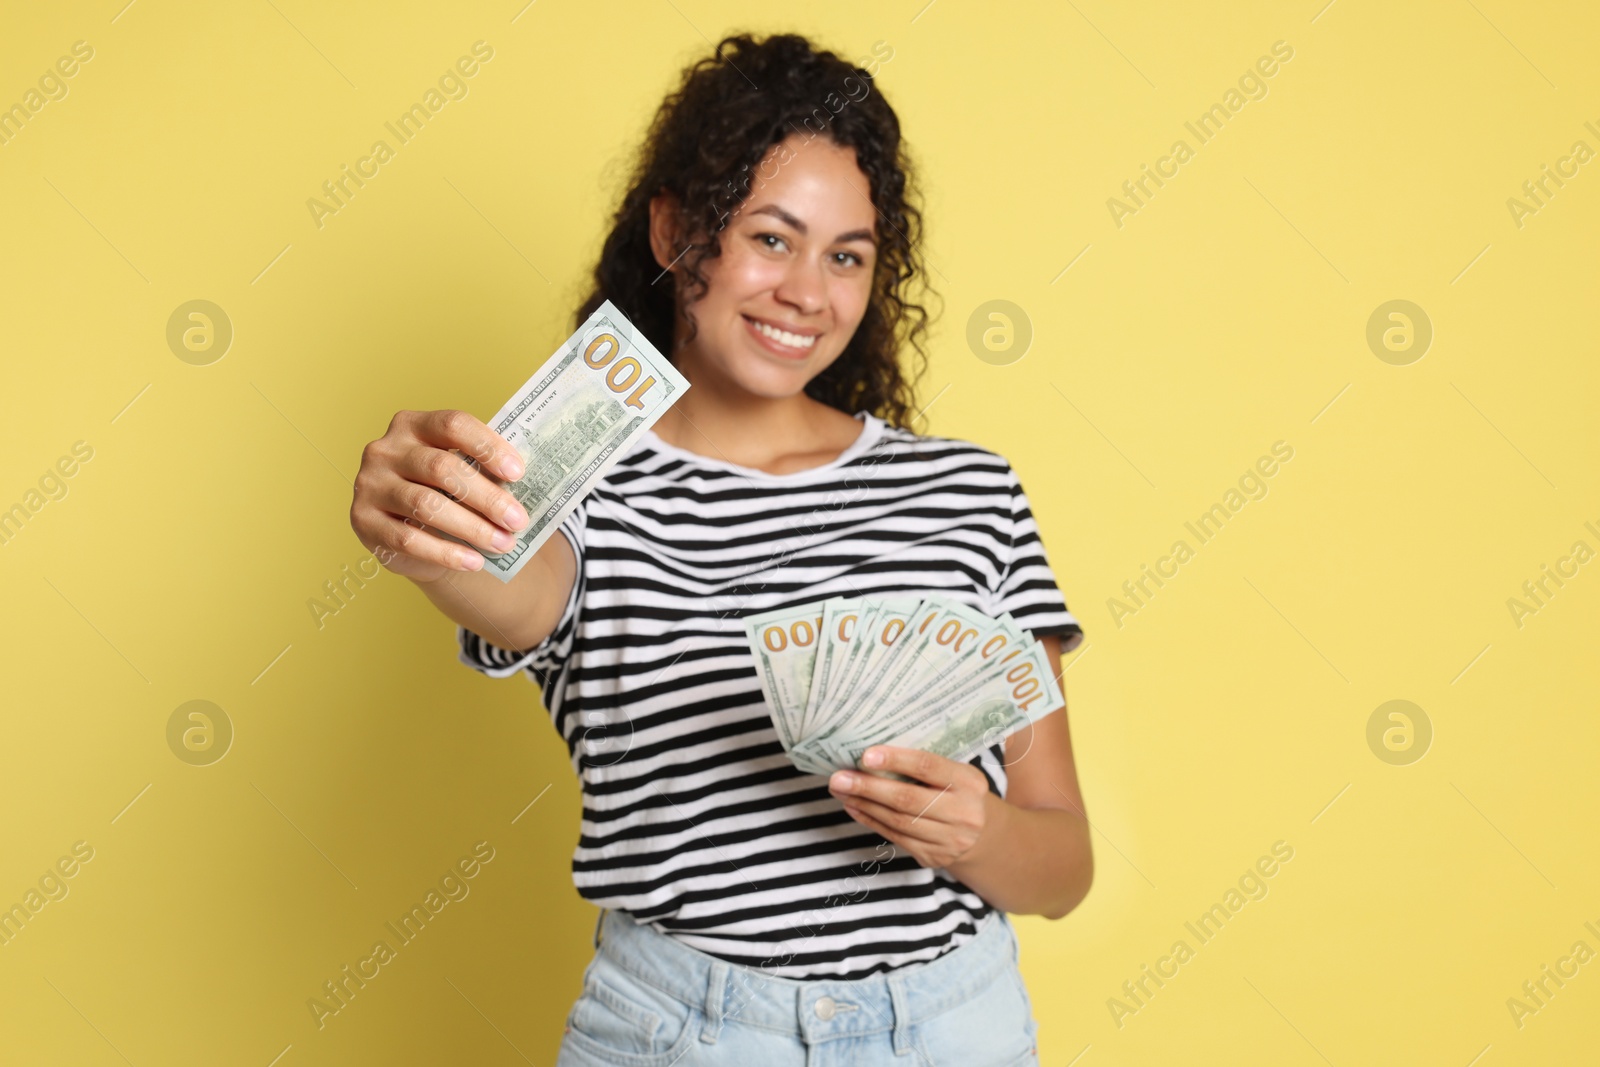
{"points": [[400, 494]]}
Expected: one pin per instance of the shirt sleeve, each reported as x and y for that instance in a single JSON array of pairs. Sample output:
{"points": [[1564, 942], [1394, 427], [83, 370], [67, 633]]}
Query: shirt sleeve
{"points": [[1027, 587], [548, 655]]}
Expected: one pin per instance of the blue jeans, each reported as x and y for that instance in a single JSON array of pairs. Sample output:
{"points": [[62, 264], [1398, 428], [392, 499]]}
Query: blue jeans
{"points": [[651, 1001]]}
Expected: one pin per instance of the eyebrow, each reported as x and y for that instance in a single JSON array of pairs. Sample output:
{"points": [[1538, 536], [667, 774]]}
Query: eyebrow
{"points": [[783, 216]]}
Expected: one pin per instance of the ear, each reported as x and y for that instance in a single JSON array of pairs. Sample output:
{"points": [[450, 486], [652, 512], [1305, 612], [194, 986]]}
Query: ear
{"points": [[666, 243]]}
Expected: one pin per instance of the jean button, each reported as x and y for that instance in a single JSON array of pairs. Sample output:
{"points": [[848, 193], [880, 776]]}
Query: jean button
{"points": [[825, 1008]]}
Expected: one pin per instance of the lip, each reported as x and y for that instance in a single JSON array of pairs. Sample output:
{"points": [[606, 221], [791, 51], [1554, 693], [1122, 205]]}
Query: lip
{"points": [[771, 344]]}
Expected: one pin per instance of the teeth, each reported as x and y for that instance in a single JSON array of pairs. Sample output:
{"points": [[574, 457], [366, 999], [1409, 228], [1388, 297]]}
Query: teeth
{"points": [[784, 337]]}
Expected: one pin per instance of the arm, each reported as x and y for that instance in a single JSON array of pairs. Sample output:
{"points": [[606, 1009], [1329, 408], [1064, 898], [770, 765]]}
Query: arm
{"points": [[412, 485], [1028, 853]]}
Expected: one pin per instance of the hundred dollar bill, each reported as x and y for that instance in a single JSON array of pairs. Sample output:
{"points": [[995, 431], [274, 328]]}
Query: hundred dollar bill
{"points": [[575, 418], [843, 675], [876, 634], [839, 618], [937, 650], [785, 644], [994, 649], [962, 736], [877, 637], [826, 707], [943, 631], [1023, 693]]}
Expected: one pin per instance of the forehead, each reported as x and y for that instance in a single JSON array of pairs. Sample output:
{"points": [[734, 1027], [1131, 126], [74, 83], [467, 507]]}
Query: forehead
{"points": [[818, 182]]}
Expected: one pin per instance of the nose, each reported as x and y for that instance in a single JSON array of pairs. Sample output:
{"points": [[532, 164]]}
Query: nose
{"points": [[803, 286]]}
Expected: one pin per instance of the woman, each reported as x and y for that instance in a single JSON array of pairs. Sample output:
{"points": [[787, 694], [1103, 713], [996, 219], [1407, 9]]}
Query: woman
{"points": [[753, 912]]}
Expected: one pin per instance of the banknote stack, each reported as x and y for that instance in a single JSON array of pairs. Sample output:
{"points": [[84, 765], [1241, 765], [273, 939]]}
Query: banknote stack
{"points": [[842, 675], [574, 419]]}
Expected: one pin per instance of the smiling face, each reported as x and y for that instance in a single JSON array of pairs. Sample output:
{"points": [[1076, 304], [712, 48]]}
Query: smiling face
{"points": [[794, 277]]}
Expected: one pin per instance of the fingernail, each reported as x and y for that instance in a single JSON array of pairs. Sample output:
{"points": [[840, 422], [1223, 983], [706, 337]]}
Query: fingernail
{"points": [[513, 469], [872, 758], [470, 560], [513, 517], [502, 540], [844, 781]]}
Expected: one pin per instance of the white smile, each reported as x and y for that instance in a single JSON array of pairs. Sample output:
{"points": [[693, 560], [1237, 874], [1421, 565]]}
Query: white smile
{"points": [[784, 337]]}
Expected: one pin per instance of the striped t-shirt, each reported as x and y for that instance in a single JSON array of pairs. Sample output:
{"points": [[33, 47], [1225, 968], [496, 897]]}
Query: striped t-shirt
{"points": [[694, 820]]}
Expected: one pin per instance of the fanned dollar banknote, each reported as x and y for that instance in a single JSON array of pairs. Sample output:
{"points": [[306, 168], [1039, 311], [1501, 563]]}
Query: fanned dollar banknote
{"points": [[840, 676], [574, 419]]}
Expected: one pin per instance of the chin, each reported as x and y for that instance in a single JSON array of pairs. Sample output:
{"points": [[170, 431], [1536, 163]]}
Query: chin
{"points": [[765, 376], [770, 383]]}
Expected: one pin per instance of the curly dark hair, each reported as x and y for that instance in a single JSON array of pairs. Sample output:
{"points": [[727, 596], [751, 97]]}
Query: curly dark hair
{"points": [[707, 140]]}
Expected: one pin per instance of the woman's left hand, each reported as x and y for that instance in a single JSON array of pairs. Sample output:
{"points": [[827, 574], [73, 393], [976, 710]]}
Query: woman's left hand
{"points": [[939, 818]]}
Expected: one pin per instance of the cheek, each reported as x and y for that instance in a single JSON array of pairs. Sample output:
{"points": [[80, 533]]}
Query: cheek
{"points": [[744, 273], [849, 298], [732, 278]]}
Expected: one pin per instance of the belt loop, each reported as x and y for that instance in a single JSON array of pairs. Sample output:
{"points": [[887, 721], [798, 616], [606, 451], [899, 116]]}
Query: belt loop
{"points": [[902, 1015], [716, 996]]}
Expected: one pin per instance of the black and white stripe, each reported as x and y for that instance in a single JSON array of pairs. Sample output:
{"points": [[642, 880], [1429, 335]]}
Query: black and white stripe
{"points": [[693, 818]]}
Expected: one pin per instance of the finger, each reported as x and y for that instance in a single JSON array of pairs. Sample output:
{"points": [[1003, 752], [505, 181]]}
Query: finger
{"points": [[922, 830], [457, 429], [396, 495], [460, 480], [908, 797], [875, 825], [917, 850], [934, 770], [400, 537], [395, 563], [406, 500]]}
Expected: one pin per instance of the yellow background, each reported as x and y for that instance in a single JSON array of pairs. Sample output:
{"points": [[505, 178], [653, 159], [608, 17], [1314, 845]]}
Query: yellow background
{"points": [[1227, 314]]}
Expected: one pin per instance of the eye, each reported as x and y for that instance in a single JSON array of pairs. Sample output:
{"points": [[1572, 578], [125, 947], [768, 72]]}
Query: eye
{"points": [[771, 241], [848, 259]]}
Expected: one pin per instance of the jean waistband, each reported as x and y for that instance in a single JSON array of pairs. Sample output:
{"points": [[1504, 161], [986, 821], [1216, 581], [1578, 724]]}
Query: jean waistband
{"points": [[816, 1010]]}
